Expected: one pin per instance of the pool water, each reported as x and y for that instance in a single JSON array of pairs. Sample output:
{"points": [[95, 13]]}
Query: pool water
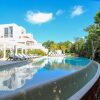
{"points": [[19, 78]]}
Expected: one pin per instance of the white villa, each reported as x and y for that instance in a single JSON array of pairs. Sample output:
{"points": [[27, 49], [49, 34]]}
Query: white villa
{"points": [[13, 36]]}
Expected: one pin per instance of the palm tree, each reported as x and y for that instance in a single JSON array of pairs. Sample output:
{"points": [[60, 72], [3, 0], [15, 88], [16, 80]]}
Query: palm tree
{"points": [[54, 47], [63, 48]]}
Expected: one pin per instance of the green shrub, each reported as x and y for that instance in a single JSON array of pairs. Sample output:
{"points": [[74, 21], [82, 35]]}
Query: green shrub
{"points": [[1, 54], [7, 53], [37, 52], [19, 51]]}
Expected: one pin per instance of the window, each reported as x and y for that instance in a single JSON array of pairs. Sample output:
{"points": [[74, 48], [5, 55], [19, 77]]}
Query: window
{"points": [[5, 32], [22, 32], [10, 31]]}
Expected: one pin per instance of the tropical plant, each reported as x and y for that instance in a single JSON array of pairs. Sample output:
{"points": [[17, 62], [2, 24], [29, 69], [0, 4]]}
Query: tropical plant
{"points": [[48, 44], [1, 53], [36, 52], [54, 47]]}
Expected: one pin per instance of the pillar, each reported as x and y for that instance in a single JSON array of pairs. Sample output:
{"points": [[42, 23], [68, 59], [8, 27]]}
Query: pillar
{"points": [[16, 50], [25, 48], [25, 51], [22, 50]]}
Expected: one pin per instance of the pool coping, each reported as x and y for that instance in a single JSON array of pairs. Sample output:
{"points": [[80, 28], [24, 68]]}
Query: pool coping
{"points": [[4, 63], [78, 95]]}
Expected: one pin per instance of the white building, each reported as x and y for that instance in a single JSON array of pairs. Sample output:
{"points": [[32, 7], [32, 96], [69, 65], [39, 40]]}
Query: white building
{"points": [[12, 35]]}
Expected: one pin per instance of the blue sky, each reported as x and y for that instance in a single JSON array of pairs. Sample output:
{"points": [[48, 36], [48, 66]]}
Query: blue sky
{"points": [[57, 20]]}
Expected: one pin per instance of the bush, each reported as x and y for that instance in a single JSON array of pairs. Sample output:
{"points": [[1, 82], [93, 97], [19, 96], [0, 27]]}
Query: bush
{"points": [[71, 54], [7, 53], [36, 51], [19, 51], [1, 54]]}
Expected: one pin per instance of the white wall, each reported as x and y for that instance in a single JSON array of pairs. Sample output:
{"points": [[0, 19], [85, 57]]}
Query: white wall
{"points": [[17, 30], [21, 31], [1, 31]]}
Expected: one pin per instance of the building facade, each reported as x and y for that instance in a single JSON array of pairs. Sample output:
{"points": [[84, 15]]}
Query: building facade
{"points": [[12, 35]]}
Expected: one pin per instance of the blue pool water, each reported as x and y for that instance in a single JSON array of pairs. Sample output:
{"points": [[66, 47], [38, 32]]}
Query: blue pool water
{"points": [[18, 78]]}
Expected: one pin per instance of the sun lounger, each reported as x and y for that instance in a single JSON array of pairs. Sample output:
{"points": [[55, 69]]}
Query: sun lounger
{"points": [[25, 56], [11, 57]]}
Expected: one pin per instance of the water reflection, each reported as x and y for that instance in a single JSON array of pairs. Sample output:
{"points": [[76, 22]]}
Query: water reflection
{"points": [[37, 72], [13, 78], [65, 64]]}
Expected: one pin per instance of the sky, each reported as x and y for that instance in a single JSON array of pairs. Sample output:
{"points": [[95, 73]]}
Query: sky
{"points": [[56, 20]]}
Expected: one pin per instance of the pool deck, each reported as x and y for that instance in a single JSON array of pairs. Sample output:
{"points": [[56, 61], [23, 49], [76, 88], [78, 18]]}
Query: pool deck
{"points": [[6, 62]]}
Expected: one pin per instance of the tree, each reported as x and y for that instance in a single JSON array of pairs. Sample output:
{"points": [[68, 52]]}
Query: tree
{"points": [[68, 45], [54, 47], [48, 44], [93, 39], [63, 48], [79, 46], [97, 18]]}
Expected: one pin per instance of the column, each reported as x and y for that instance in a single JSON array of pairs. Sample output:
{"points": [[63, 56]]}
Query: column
{"points": [[16, 50], [22, 50], [25, 51], [25, 48]]}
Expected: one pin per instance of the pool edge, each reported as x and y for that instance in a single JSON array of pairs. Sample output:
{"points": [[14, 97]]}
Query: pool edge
{"points": [[78, 95]]}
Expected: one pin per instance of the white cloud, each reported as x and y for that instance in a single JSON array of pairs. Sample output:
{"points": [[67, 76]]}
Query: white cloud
{"points": [[39, 17], [60, 12], [77, 10]]}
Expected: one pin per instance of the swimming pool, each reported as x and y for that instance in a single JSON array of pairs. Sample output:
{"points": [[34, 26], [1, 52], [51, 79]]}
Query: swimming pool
{"points": [[46, 79]]}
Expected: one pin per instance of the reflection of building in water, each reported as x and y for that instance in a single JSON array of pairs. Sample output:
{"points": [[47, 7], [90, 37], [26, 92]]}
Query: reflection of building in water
{"points": [[11, 79], [15, 78], [60, 63], [56, 63], [56, 60]]}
